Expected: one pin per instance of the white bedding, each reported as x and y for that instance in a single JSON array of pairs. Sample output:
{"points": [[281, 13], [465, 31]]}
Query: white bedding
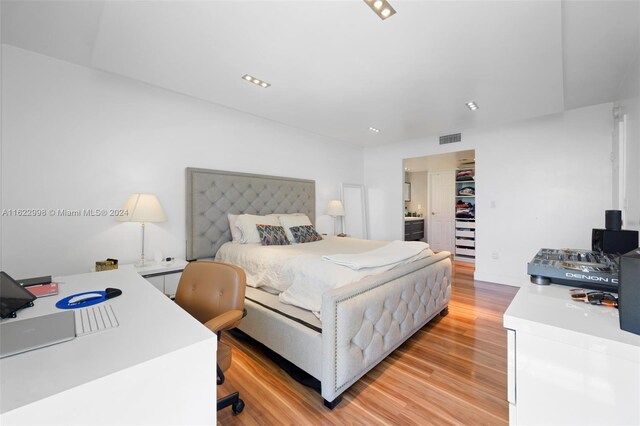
{"points": [[298, 272], [388, 255]]}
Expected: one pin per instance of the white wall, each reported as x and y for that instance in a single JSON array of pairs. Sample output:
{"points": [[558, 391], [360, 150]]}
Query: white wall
{"points": [[629, 105], [543, 182], [76, 138], [629, 203]]}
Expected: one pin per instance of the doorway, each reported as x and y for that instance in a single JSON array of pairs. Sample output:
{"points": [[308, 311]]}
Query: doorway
{"points": [[442, 198]]}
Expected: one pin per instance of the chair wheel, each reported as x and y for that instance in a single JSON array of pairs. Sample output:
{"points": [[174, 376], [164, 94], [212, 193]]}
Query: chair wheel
{"points": [[238, 407]]}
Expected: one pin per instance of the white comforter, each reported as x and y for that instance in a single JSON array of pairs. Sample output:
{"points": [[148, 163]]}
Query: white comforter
{"points": [[298, 272], [391, 254]]}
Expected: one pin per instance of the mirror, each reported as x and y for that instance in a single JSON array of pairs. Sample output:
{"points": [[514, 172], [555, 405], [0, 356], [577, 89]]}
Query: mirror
{"points": [[355, 210], [407, 191]]}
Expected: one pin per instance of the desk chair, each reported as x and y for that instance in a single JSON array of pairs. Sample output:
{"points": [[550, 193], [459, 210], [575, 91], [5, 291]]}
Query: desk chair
{"points": [[213, 293]]}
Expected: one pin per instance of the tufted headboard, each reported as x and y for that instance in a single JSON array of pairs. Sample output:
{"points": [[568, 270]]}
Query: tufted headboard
{"points": [[211, 194]]}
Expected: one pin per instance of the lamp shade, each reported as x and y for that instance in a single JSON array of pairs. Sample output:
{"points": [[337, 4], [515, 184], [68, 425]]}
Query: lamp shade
{"points": [[335, 208], [143, 208]]}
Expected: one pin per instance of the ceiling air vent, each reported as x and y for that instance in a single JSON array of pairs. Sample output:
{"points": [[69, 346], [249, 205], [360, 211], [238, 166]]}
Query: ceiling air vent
{"points": [[456, 137]]}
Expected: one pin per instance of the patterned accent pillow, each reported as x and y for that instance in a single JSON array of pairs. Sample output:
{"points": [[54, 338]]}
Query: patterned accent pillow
{"points": [[272, 235], [305, 234]]}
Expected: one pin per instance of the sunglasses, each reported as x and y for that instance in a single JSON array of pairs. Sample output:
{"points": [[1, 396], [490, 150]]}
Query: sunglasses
{"points": [[594, 297]]}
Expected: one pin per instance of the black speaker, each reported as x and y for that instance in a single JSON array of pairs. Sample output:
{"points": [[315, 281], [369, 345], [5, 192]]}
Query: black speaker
{"points": [[629, 292], [613, 220], [613, 242]]}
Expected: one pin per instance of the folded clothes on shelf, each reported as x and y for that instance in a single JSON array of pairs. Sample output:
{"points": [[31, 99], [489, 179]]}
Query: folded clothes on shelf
{"points": [[467, 190], [467, 212], [464, 175]]}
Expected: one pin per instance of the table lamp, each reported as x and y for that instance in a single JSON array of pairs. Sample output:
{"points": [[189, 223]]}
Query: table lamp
{"points": [[143, 208], [335, 209]]}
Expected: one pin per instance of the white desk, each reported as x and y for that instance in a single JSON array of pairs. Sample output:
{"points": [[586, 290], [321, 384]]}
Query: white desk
{"points": [[157, 367], [569, 362]]}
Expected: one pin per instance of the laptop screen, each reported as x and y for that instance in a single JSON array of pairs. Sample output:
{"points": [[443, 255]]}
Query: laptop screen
{"points": [[12, 296]]}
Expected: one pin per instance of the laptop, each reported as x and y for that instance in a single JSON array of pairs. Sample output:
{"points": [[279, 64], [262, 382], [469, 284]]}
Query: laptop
{"points": [[35, 333], [12, 296]]}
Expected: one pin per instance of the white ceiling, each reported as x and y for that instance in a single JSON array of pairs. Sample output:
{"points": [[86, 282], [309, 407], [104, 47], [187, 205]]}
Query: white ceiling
{"points": [[336, 68]]}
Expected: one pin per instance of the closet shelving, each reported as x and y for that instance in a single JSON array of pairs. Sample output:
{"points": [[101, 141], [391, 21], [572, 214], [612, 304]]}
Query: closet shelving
{"points": [[465, 214]]}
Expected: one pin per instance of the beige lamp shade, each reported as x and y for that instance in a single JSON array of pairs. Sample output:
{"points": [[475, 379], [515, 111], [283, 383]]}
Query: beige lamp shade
{"points": [[335, 208], [143, 208]]}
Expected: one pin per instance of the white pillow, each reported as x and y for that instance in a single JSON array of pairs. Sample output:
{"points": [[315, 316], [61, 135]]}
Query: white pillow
{"points": [[288, 221], [279, 215], [236, 235], [246, 223]]}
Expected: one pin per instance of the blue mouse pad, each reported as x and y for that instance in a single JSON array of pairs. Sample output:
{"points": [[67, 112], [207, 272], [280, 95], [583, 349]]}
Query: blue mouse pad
{"points": [[101, 296]]}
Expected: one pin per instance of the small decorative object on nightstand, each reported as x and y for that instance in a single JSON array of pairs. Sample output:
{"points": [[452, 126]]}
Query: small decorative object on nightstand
{"points": [[106, 265]]}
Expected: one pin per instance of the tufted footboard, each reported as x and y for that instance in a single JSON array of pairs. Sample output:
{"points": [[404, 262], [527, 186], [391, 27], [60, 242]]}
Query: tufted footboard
{"points": [[365, 321]]}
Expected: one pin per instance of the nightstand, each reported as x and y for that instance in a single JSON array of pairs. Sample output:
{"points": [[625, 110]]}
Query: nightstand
{"points": [[164, 276]]}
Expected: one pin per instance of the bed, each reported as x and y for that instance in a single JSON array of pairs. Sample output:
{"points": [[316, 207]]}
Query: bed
{"points": [[358, 324]]}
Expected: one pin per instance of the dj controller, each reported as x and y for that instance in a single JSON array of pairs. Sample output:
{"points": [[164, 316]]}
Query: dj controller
{"points": [[576, 268]]}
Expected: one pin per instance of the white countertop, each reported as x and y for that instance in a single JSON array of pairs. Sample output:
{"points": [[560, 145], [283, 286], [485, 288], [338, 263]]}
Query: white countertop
{"points": [[150, 326], [408, 219], [549, 312]]}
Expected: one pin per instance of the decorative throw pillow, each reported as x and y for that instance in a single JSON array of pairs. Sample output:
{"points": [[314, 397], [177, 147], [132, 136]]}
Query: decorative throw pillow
{"points": [[272, 235], [289, 221], [304, 234]]}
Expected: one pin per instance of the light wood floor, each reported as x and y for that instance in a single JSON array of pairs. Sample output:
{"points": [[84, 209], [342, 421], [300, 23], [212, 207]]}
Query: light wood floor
{"points": [[452, 371]]}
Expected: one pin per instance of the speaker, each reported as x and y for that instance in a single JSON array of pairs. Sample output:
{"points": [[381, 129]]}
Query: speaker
{"points": [[613, 220], [629, 292], [613, 242]]}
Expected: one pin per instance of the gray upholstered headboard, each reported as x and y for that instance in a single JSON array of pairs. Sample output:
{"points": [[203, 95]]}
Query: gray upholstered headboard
{"points": [[211, 194]]}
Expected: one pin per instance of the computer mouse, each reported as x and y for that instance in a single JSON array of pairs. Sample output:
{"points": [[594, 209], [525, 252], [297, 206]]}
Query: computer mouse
{"points": [[83, 298], [112, 292]]}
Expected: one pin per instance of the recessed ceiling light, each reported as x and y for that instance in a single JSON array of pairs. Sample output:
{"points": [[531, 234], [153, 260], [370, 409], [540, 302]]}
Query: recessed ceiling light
{"points": [[382, 8], [256, 81], [373, 129], [472, 105]]}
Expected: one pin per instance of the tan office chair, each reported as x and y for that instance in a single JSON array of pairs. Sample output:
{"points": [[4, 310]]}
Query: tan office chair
{"points": [[213, 293]]}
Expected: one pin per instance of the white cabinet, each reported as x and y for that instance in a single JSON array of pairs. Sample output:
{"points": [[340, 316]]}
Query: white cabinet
{"points": [[171, 281], [166, 282], [164, 276], [158, 282], [568, 362]]}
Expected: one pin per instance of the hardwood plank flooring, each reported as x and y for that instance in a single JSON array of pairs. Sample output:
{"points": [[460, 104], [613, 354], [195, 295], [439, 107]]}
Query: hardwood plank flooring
{"points": [[452, 371]]}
